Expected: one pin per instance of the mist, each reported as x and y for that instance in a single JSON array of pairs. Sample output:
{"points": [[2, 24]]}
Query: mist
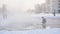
{"points": [[27, 14], [20, 5]]}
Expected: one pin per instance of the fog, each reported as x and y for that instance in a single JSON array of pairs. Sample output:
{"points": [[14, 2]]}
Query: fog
{"points": [[14, 15], [20, 5]]}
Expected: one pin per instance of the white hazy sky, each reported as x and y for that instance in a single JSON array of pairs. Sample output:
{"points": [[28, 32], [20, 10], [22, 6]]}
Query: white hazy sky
{"points": [[21, 4]]}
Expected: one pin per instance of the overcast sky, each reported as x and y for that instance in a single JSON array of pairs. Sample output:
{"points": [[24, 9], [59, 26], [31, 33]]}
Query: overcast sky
{"points": [[21, 4]]}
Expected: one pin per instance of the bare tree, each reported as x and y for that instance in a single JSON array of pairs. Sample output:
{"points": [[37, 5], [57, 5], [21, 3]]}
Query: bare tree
{"points": [[37, 8]]}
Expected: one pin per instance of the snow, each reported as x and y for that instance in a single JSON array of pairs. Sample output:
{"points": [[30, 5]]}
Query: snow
{"points": [[37, 31], [26, 21]]}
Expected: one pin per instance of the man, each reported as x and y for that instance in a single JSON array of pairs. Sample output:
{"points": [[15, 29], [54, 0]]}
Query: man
{"points": [[54, 13], [43, 22]]}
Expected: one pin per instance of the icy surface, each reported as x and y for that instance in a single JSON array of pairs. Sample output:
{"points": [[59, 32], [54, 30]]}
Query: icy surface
{"points": [[37, 31], [28, 21]]}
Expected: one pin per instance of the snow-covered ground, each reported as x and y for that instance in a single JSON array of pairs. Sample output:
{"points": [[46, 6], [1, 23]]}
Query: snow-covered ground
{"points": [[27, 21], [37, 31]]}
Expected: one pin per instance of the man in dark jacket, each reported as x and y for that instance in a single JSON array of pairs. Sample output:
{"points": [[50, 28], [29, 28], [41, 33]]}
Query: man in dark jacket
{"points": [[43, 22]]}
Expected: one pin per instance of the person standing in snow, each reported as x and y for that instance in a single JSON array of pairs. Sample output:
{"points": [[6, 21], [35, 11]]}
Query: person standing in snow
{"points": [[54, 13], [43, 22]]}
